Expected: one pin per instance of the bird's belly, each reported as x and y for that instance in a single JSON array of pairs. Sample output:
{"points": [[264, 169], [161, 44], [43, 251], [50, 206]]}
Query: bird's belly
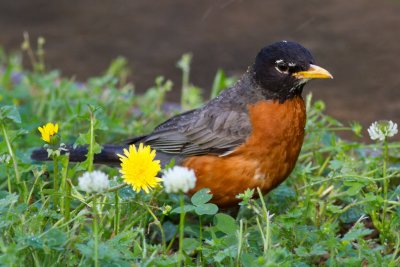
{"points": [[264, 160]]}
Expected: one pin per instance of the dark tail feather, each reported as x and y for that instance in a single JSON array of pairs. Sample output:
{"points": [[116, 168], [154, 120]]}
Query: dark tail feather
{"points": [[108, 154]]}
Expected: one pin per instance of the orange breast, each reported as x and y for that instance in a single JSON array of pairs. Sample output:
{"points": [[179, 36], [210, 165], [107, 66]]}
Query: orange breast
{"points": [[266, 158]]}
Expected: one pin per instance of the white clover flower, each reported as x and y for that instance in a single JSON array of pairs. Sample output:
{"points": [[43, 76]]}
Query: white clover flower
{"points": [[382, 129], [179, 179], [94, 182]]}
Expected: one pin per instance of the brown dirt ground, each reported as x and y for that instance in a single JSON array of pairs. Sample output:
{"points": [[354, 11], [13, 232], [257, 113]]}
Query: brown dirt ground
{"points": [[358, 41]]}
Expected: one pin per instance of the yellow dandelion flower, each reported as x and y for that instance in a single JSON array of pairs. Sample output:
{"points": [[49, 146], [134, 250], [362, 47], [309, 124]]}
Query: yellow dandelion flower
{"points": [[48, 131], [139, 169]]}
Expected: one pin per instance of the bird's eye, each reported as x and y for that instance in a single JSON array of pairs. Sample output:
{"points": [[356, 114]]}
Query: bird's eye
{"points": [[282, 67]]}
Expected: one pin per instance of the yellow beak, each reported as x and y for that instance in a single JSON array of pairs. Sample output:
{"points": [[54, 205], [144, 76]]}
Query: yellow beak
{"points": [[314, 72]]}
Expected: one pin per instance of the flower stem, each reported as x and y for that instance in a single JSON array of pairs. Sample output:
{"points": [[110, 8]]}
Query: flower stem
{"points": [[91, 142], [89, 199], [11, 152], [65, 189], [200, 240], [158, 223], [67, 201], [55, 181], [240, 242], [185, 67], [116, 216], [385, 184], [95, 232], [8, 180], [266, 218], [181, 228]]}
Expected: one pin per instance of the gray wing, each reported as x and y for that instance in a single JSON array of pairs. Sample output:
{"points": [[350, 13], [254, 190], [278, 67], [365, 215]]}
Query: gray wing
{"points": [[216, 128], [208, 130]]}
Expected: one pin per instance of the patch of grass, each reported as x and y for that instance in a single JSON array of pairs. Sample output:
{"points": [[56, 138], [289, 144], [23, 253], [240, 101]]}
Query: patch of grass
{"points": [[340, 206]]}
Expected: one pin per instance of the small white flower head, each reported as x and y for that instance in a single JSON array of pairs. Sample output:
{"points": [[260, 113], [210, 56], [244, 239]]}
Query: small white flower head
{"points": [[179, 179], [94, 182], [382, 129]]}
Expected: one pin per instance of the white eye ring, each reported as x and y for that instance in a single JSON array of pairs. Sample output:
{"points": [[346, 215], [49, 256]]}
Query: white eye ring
{"points": [[281, 66], [282, 71]]}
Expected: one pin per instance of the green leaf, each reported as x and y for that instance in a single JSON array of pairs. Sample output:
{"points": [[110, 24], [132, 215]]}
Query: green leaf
{"points": [[354, 188], [356, 234], [356, 127], [202, 196], [317, 250], [225, 223], [248, 259], [84, 249], [221, 82], [170, 164], [246, 196], [118, 66], [7, 199], [184, 62], [370, 197], [301, 251], [190, 245], [170, 230], [352, 214], [229, 252], [207, 208], [9, 113], [55, 239], [186, 208], [192, 96], [334, 208], [34, 242], [218, 84]]}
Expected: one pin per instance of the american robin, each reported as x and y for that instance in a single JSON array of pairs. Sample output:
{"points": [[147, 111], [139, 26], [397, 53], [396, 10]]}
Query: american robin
{"points": [[249, 136]]}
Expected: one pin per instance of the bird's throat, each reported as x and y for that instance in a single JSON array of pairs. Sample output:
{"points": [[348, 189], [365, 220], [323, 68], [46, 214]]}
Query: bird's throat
{"points": [[284, 94]]}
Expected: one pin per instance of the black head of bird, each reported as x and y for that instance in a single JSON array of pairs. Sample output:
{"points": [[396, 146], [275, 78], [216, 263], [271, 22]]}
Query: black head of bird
{"points": [[283, 68]]}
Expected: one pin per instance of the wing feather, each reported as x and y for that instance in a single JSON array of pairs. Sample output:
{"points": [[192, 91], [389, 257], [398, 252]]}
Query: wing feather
{"points": [[217, 128], [203, 132]]}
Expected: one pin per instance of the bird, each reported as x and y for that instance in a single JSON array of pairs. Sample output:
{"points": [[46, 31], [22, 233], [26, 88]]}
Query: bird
{"points": [[247, 137]]}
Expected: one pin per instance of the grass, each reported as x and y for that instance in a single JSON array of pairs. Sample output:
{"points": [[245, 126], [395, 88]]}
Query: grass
{"points": [[340, 206]]}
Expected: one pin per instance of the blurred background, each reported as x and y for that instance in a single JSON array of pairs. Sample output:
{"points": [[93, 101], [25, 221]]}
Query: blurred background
{"points": [[357, 41]]}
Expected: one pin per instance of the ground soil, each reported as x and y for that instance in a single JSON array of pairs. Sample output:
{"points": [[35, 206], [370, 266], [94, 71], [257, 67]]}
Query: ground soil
{"points": [[358, 41]]}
